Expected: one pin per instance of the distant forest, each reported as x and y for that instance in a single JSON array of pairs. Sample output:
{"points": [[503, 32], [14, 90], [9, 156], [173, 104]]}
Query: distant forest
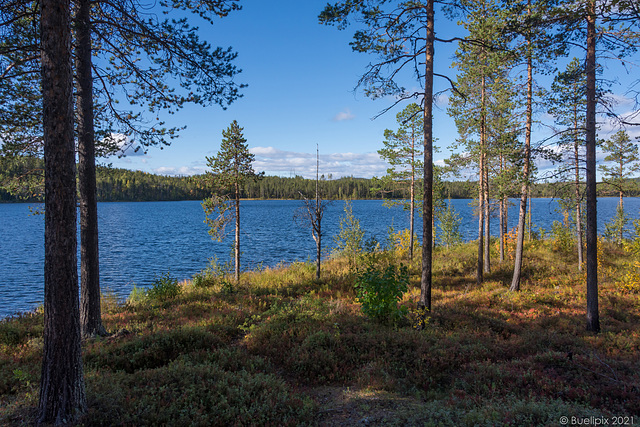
{"points": [[22, 182]]}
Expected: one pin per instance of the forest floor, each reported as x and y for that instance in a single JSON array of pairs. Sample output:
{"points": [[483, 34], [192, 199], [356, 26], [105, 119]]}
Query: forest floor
{"points": [[282, 349]]}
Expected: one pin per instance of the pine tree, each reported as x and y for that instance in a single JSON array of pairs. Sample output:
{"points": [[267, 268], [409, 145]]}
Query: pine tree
{"points": [[62, 390], [402, 35], [626, 162], [567, 103], [403, 151], [230, 170], [482, 60]]}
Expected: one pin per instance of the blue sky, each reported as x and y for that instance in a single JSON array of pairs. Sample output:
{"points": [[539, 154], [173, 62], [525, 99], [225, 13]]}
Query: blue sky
{"points": [[300, 77]]}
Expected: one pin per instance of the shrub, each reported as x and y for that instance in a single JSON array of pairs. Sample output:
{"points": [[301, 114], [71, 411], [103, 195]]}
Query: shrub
{"points": [[449, 226], [379, 290], [562, 237], [401, 242], [213, 274], [164, 288], [350, 240], [137, 296]]}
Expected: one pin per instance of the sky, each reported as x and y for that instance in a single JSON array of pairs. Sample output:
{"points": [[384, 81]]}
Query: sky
{"points": [[301, 78]]}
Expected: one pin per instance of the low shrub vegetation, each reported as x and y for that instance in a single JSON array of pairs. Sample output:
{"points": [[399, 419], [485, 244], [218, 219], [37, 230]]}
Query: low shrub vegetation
{"points": [[279, 348]]}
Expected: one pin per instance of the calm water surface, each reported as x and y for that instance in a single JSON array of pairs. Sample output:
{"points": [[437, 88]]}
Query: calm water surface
{"points": [[139, 241]]}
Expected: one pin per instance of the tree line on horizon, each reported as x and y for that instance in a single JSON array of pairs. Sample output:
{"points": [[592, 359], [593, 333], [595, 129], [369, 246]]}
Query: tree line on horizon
{"points": [[124, 185]]}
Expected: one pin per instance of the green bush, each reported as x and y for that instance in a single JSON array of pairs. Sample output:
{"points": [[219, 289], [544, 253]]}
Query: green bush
{"points": [[164, 288], [151, 351], [380, 289], [213, 274], [562, 237], [137, 295]]}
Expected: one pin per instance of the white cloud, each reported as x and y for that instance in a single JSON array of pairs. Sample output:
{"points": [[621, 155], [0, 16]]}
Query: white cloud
{"points": [[291, 163], [442, 100], [344, 115], [617, 100], [124, 146], [183, 170]]}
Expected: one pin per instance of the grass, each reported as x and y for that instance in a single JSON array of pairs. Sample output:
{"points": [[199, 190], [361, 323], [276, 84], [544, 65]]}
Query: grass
{"points": [[282, 349]]}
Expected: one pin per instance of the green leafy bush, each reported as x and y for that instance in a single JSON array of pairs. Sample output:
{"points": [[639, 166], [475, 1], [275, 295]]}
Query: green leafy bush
{"points": [[164, 288], [380, 289], [562, 237], [213, 275], [137, 295]]}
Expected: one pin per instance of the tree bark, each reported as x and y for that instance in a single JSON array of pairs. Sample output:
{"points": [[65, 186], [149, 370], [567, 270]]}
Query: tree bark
{"points": [[503, 224], [517, 268], [427, 209], [316, 221], [62, 390], [593, 319], [237, 243], [578, 208], [481, 231], [487, 221], [90, 315], [484, 176], [576, 164], [318, 254], [413, 199]]}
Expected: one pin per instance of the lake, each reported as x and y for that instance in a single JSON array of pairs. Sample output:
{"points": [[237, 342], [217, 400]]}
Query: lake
{"points": [[142, 240]]}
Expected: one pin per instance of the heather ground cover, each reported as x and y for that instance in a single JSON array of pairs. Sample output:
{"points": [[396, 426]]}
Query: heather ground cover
{"points": [[281, 349]]}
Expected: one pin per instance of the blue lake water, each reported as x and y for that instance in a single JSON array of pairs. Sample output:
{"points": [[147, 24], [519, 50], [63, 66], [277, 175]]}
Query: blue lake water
{"points": [[141, 240]]}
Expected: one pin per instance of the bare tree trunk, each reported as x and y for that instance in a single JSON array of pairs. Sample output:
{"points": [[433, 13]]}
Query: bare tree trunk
{"points": [[427, 209], [487, 221], [479, 270], [62, 391], [620, 236], [237, 245], [413, 199], [593, 318], [502, 213], [90, 315], [502, 225], [576, 165], [517, 268], [484, 176], [529, 216], [318, 256], [578, 209], [316, 221]]}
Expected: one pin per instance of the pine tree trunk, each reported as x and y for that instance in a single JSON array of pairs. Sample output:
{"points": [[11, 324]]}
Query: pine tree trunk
{"points": [[427, 211], [576, 161], [593, 318], [479, 269], [484, 176], [90, 316], [62, 391], [487, 222], [502, 225], [517, 268], [620, 236], [237, 245], [412, 204]]}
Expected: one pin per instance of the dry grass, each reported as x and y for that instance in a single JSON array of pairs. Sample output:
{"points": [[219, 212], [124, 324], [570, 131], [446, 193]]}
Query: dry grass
{"points": [[280, 348]]}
